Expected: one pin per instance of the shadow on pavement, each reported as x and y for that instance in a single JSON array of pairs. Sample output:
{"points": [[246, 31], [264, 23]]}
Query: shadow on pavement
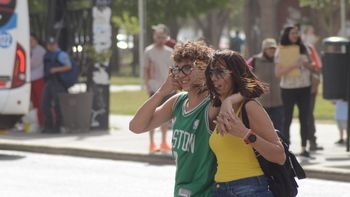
{"points": [[16, 135], [10, 157]]}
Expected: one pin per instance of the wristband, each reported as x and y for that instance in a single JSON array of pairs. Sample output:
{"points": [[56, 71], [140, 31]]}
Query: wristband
{"points": [[250, 137]]}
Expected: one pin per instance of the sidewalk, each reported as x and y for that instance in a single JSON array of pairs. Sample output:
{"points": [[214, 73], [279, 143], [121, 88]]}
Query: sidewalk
{"points": [[119, 143]]}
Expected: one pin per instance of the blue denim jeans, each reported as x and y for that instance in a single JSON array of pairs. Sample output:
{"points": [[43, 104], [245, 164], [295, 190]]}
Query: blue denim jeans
{"points": [[248, 187], [50, 104]]}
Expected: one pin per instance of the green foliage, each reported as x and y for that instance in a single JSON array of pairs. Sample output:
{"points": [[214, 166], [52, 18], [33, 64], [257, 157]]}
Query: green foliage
{"points": [[161, 11], [319, 4], [127, 22], [79, 4], [36, 6], [97, 57]]}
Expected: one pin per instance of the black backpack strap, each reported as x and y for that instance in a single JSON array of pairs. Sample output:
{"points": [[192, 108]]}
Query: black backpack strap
{"points": [[244, 114]]}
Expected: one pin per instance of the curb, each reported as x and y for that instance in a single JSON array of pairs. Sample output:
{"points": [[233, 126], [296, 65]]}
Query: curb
{"points": [[327, 174], [89, 153], [316, 172]]}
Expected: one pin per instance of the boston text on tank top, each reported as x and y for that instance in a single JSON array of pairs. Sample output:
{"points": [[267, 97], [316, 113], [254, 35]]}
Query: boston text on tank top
{"points": [[195, 162]]}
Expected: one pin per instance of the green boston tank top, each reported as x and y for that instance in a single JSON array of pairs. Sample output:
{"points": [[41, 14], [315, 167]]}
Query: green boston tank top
{"points": [[195, 162]]}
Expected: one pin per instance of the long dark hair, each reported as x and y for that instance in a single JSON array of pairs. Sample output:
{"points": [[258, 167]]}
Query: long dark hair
{"points": [[284, 40], [243, 80]]}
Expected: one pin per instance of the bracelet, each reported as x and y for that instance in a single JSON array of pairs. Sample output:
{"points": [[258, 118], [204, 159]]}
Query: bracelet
{"points": [[250, 138]]}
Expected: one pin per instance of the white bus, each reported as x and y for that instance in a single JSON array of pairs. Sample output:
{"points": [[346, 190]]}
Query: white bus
{"points": [[14, 61]]}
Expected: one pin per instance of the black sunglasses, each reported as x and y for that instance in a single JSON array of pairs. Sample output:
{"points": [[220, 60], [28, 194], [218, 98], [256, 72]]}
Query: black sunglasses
{"points": [[218, 72], [185, 69]]}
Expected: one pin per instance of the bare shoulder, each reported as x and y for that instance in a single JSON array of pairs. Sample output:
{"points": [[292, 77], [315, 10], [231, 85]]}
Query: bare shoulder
{"points": [[253, 106]]}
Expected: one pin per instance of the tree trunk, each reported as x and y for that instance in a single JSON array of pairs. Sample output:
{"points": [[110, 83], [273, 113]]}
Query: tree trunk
{"points": [[135, 55], [174, 28], [114, 62], [213, 24], [248, 23], [268, 18]]}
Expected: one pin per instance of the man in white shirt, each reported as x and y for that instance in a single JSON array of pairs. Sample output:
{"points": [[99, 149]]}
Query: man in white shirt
{"points": [[156, 70]]}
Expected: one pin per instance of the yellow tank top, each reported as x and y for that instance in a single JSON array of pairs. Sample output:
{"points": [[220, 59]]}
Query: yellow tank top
{"points": [[235, 158]]}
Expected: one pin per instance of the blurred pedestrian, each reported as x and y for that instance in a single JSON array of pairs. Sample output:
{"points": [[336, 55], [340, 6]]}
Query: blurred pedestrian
{"points": [[156, 70], [56, 62], [309, 38], [341, 116], [170, 42], [193, 116], [295, 84], [37, 76], [263, 66], [238, 170], [315, 82], [236, 42]]}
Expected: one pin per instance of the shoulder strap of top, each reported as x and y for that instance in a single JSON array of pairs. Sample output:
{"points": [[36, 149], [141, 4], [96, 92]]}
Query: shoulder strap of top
{"points": [[240, 108]]}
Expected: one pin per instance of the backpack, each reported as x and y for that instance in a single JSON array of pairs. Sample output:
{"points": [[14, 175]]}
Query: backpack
{"points": [[280, 178], [68, 79]]}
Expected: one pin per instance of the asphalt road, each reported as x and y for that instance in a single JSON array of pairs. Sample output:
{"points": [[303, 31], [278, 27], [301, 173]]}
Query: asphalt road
{"points": [[28, 174]]}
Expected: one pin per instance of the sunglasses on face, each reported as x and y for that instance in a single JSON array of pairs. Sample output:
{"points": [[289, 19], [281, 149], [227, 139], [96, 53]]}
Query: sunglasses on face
{"points": [[218, 72], [186, 69]]}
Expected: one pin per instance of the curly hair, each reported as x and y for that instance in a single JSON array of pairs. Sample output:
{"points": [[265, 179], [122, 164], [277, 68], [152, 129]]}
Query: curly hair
{"points": [[243, 80], [194, 51], [199, 53]]}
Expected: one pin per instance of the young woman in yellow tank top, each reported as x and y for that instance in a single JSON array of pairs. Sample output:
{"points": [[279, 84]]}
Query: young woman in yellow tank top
{"points": [[238, 171]]}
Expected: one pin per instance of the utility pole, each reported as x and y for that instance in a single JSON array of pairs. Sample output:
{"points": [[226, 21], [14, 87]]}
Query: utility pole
{"points": [[99, 76], [141, 35], [342, 18]]}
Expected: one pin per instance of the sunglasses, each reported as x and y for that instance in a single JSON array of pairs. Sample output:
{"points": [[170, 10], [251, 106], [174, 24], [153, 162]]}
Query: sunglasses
{"points": [[186, 69], [218, 72]]}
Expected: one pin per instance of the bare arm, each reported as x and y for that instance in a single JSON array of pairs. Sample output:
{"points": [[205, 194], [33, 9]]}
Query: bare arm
{"points": [[267, 143], [226, 108], [60, 69], [147, 71], [149, 115]]}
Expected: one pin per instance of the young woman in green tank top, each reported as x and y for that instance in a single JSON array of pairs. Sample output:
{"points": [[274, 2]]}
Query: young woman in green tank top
{"points": [[192, 115]]}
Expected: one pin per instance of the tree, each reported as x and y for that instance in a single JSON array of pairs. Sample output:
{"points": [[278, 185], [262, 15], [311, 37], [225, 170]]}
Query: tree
{"points": [[213, 16], [326, 13]]}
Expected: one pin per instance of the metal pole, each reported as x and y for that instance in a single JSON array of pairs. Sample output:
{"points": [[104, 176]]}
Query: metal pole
{"points": [[141, 36], [348, 100], [348, 129], [342, 17], [343, 33]]}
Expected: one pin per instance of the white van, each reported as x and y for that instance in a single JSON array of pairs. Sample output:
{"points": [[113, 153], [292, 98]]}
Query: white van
{"points": [[14, 61]]}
